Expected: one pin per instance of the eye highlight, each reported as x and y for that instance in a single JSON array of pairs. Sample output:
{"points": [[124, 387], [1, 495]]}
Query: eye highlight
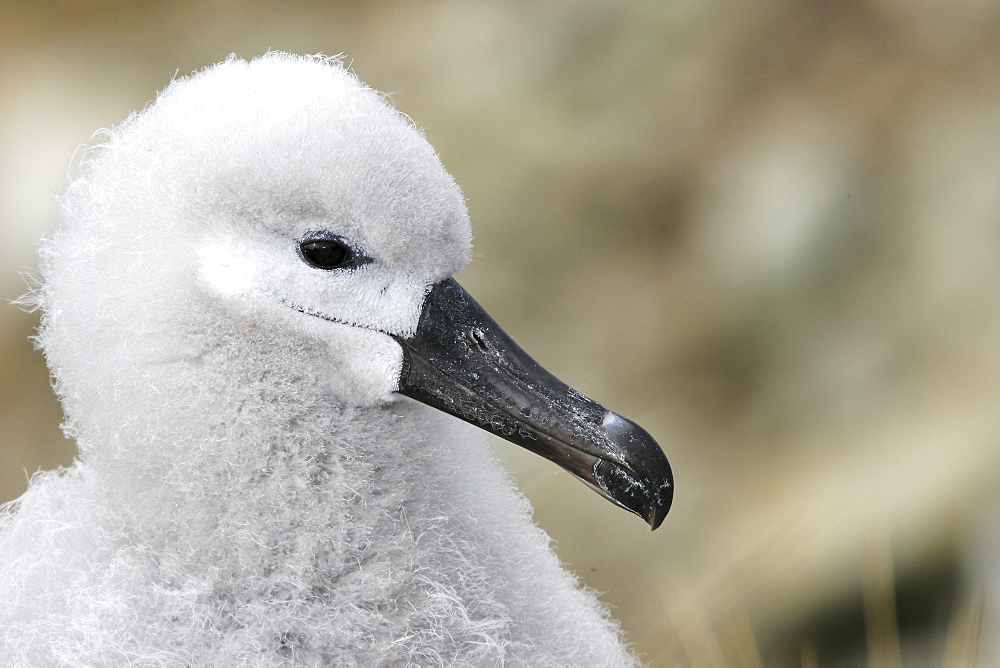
{"points": [[326, 253]]}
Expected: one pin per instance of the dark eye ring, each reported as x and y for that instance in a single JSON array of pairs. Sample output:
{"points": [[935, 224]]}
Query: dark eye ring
{"points": [[326, 253]]}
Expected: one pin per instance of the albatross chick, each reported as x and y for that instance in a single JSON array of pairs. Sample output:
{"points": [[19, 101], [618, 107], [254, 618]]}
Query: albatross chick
{"points": [[250, 319]]}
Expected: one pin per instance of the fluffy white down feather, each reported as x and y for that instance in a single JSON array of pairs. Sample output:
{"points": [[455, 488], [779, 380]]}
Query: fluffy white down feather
{"points": [[250, 491]]}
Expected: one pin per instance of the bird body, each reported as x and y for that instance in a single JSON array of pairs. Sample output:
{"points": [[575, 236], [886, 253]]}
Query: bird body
{"points": [[281, 571], [233, 310]]}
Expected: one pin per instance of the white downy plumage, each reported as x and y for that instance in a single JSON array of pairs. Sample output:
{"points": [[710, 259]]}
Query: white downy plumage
{"points": [[250, 488]]}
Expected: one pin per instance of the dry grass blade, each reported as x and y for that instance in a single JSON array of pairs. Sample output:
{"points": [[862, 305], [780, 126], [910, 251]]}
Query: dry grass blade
{"points": [[879, 597], [964, 633]]}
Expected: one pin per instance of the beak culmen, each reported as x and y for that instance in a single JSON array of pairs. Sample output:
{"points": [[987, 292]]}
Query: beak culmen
{"points": [[461, 362]]}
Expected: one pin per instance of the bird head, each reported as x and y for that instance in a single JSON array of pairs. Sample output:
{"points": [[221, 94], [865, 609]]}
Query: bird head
{"points": [[280, 218]]}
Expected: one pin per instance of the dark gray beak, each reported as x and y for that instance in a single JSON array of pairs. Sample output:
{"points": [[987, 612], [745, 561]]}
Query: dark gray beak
{"points": [[461, 362]]}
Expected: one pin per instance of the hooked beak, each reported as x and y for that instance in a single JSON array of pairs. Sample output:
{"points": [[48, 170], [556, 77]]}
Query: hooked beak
{"points": [[461, 362]]}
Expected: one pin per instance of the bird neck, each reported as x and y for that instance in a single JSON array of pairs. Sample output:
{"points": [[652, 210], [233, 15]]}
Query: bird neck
{"points": [[262, 484]]}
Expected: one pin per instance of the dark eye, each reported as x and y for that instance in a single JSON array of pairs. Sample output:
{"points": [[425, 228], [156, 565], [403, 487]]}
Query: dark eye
{"points": [[326, 253]]}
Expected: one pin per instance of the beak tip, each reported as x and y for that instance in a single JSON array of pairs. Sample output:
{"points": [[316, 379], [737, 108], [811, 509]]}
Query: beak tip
{"points": [[645, 485], [660, 506], [651, 502]]}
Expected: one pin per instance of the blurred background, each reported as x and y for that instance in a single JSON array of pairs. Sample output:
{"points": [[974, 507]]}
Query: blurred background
{"points": [[767, 231]]}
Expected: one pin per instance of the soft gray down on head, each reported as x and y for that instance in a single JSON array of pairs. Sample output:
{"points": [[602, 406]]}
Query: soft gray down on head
{"points": [[244, 309]]}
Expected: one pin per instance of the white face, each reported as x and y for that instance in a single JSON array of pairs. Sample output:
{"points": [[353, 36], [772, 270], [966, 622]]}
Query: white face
{"points": [[263, 277]]}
